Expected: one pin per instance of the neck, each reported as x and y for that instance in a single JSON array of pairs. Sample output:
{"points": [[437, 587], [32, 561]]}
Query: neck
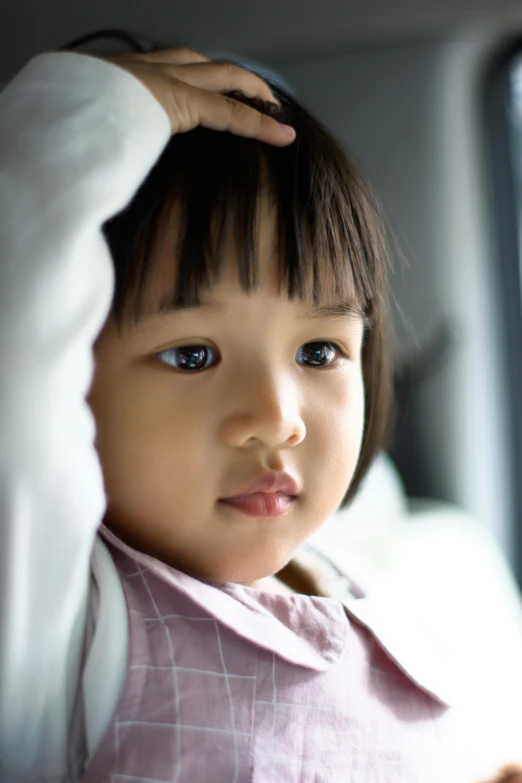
{"points": [[291, 579]]}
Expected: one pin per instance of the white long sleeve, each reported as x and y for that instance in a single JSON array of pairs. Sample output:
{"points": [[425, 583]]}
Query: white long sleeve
{"points": [[77, 137]]}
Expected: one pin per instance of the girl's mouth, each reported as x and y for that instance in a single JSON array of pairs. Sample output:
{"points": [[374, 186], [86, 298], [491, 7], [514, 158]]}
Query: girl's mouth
{"points": [[261, 504]]}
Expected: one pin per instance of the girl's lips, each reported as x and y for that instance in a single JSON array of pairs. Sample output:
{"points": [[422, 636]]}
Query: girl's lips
{"points": [[282, 483], [261, 504]]}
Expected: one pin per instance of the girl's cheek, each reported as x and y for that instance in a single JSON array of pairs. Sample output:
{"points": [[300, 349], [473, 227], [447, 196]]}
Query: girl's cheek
{"points": [[350, 400]]}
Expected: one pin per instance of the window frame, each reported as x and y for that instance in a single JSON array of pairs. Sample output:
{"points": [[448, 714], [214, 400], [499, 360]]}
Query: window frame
{"points": [[506, 197]]}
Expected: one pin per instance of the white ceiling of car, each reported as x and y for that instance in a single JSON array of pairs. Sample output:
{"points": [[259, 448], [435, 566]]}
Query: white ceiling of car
{"points": [[253, 28]]}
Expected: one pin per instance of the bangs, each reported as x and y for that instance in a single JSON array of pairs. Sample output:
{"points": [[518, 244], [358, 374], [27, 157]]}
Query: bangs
{"points": [[328, 235]]}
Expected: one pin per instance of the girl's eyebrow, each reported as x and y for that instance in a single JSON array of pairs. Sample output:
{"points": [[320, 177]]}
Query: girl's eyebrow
{"points": [[341, 308], [150, 317]]}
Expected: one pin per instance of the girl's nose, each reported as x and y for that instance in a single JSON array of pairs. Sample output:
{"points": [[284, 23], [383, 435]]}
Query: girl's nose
{"points": [[266, 413]]}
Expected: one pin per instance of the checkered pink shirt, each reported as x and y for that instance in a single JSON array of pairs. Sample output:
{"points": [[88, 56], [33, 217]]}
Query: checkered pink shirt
{"points": [[228, 684]]}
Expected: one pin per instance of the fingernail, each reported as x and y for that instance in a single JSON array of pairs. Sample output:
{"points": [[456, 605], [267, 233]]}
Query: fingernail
{"points": [[288, 130]]}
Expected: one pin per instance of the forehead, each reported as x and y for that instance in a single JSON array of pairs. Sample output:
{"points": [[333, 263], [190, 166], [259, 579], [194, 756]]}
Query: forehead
{"points": [[268, 260], [164, 260]]}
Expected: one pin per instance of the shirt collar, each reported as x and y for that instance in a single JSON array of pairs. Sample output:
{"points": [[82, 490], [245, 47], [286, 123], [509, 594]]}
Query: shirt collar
{"points": [[312, 632], [308, 631]]}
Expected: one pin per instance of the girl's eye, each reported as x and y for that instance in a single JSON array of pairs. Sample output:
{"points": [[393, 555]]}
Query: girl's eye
{"points": [[189, 358], [320, 353]]}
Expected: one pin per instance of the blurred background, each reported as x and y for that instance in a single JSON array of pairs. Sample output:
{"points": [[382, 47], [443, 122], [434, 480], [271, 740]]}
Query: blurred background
{"points": [[427, 95]]}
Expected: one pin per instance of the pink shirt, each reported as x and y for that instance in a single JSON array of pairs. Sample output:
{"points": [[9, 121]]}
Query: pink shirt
{"points": [[228, 684]]}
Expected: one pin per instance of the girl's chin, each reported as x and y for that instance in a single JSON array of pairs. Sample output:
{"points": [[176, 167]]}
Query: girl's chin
{"points": [[259, 576]]}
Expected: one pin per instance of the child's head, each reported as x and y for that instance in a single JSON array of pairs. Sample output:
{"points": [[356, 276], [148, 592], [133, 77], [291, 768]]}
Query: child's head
{"points": [[246, 337]]}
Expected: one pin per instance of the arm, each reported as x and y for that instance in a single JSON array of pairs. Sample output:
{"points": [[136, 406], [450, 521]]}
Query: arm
{"points": [[77, 137]]}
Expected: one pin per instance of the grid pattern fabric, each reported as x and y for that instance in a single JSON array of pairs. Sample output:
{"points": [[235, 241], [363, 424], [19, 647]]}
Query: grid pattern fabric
{"points": [[205, 701]]}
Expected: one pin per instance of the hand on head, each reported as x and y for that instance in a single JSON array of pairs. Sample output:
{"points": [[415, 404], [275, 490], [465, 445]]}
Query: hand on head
{"points": [[191, 88]]}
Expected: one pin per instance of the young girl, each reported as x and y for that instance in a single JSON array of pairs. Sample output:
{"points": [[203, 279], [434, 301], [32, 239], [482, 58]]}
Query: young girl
{"points": [[159, 621]]}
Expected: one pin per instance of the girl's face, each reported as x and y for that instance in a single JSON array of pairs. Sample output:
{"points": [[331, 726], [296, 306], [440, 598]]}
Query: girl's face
{"points": [[195, 405]]}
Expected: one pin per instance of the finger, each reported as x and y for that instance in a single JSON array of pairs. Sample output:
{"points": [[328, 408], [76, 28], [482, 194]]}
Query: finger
{"points": [[178, 56], [224, 77], [218, 112]]}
